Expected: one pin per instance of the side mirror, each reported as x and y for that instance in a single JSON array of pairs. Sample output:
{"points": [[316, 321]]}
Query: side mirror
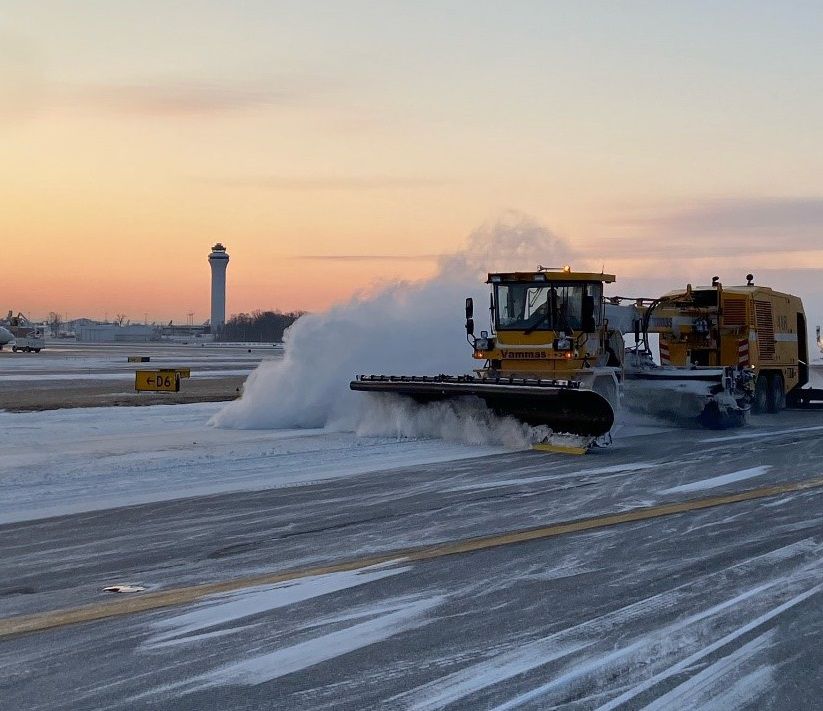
{"points": [[469, 326], [469, 308]]}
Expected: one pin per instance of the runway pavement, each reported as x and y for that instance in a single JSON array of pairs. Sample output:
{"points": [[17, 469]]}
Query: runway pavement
{"points": [[688, 608]]}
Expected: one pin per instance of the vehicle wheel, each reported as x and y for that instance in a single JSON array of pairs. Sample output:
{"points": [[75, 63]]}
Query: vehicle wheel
{"points": [[760, 403], [14, 349], [36, 350], [27, 349], [777, 393]]}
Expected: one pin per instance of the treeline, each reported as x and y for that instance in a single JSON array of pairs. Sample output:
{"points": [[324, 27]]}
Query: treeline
{"points": [[258, 326]]}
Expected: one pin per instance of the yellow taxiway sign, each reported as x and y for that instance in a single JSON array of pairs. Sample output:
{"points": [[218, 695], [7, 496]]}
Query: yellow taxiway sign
{"points": [[163, 381]]}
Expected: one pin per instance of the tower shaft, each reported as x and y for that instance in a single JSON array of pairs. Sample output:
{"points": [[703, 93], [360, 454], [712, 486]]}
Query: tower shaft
{"points": [[218, 260]]}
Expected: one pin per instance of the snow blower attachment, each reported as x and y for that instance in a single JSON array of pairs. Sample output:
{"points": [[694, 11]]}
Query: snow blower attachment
{"points": [[723, 352], [550, 358]]}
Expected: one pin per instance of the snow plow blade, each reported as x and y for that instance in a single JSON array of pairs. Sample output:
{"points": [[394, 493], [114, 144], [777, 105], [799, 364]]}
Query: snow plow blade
{"points": [[559, 404]]}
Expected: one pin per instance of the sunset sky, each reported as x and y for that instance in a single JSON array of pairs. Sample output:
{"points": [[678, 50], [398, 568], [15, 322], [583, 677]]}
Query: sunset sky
{"points": [[333, 144]]}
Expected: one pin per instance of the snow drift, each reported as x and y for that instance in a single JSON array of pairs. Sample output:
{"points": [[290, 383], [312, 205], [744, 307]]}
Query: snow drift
{"points": [[413, 328]]}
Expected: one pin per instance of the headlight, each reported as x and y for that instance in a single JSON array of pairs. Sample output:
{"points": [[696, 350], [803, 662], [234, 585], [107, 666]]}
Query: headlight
{"points": [[482, 344]]}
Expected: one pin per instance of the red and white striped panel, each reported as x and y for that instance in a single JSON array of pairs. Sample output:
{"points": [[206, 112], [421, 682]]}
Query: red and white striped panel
{"points": [[665, 357], [743, 352]]}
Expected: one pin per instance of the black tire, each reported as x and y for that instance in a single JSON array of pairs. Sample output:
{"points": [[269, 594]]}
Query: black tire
{"points": [[14, 349], [777, 393], [760, 404], [36, 350]]}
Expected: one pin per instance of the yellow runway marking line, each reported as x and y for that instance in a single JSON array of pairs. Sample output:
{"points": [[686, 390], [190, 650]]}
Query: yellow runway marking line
{"points": [[38, 622]]}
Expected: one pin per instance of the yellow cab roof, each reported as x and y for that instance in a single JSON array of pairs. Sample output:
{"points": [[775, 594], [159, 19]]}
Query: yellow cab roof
{"points": [[545, 275], [743, 290]]}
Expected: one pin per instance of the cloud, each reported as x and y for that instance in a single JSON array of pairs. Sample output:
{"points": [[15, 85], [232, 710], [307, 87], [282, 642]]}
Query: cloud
{"points": [[370, 257], [312, 183], [22, 78], [747, 215], [724, 226], [178, 98]]}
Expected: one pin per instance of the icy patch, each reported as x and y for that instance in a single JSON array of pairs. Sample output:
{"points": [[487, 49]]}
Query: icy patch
{"points": [[406, 614], [718, 480], [765, 433], [255, 601], [701, 691], [701, 654], [742, 691], [442, 692], [613, 469]]}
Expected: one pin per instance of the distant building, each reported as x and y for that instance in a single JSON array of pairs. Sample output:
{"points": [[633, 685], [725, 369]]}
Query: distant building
{"points": [[112, 333], [76, 324]]}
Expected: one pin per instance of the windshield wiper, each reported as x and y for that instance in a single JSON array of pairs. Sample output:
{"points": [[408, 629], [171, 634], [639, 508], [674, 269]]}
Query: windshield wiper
{"points": [[534, 326]]}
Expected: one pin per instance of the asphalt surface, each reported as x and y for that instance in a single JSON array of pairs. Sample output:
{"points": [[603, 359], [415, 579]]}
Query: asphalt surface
{"points": [[711, 608]]}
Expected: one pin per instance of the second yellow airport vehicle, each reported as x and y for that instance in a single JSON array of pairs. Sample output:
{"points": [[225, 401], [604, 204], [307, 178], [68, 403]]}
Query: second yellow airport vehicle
{"points": [[751, 336]]}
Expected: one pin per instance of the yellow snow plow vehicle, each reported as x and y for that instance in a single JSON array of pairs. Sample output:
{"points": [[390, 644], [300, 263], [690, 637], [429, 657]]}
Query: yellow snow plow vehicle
{"points": [[555, 354], [551, 357]]}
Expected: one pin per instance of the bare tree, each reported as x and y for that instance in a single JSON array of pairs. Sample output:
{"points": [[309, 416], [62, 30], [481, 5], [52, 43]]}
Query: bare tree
{"points": [[119, 319], [55, 320]]}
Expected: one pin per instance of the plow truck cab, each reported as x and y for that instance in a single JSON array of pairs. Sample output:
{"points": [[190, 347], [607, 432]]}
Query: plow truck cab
{"points": [[549, 357], [550, 324]]}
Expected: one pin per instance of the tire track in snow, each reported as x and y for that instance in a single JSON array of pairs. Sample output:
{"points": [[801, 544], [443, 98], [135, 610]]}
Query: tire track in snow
{"points": [[705, 685], [698, 656], [587, 635]]}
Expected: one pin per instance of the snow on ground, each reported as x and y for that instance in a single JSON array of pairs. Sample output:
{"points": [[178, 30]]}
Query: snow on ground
{"points": [[388, 619], [718, 480], [110, 361], [66, 461], [761, 433], [226, 609], [701, 640], [555, 477], [117, 375]]}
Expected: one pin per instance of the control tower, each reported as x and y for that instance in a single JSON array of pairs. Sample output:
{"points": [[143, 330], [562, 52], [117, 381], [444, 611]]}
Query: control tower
{"points": [[219, 260]]}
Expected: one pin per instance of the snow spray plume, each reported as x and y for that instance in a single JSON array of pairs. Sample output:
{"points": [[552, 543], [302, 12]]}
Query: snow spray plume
{"points": [[406, 328]]}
